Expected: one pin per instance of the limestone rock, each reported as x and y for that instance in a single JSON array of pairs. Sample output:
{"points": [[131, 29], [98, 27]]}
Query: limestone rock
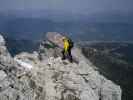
{"points": [[2, 75], [51, 78], [2, 41]]}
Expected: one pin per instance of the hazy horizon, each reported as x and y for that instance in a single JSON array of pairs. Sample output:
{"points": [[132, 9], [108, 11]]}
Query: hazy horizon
{"points": [[89, 19], [70, 6]]}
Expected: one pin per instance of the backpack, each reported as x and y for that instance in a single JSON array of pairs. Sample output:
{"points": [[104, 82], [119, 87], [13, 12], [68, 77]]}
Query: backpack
{"points": [[71, 44]]}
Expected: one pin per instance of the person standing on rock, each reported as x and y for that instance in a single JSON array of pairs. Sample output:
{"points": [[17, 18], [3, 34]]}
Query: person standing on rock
{"points": [[66, 52]]}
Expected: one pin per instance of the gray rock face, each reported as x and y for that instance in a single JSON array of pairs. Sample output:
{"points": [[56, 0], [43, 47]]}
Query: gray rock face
{"points": [[50, 78], [2, 41], [2, 75]]}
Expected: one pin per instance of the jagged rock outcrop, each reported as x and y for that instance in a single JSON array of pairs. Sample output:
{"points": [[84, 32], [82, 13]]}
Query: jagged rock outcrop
{"points": [[50, 78]]}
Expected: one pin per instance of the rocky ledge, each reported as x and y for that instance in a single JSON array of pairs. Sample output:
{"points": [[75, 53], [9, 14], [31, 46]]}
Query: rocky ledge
{"points": [[42, 75]]}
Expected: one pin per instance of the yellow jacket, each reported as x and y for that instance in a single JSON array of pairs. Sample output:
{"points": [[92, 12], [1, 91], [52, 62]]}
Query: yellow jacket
{"points": [[66, 45]]}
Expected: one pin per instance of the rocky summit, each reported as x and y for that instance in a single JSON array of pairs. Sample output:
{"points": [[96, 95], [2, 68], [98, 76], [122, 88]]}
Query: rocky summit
{"points": [[42, 75]]}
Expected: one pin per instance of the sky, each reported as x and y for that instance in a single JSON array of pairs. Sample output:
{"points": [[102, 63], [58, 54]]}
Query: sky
{"points": [[73, 6]]}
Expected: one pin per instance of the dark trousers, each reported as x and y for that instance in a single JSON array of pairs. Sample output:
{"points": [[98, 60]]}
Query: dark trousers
{"points": [[67, 55]]}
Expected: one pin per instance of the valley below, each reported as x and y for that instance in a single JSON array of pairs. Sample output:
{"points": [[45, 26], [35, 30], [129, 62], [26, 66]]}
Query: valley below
{"points": [[115, 61]]}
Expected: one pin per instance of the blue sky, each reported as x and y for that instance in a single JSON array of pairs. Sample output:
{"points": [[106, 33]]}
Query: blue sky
{"points": [[74, 6]]}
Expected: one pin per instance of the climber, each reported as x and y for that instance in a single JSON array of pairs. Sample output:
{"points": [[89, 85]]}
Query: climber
{"points": [[66, 52]]}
